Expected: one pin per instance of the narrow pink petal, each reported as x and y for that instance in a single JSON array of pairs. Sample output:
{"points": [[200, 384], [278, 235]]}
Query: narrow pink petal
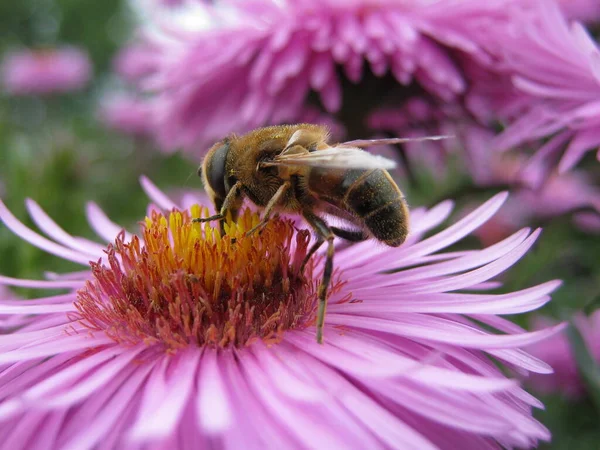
{"points": [[39, 241], [47, 435], [472, 277], [357, 255], [321, 435], [477, 259], [363, 352], [55, 346], [410, 253], [441, 406], [165, 406], [213, 407], [36, 309], [64, 382], [457, 231], [21, 435], [581, 143], [431, 328], [102, 225], [21, 376], [89, 385], [511, 303], [18, 338], [51, 300], [41, 284], [288, 381], [259, 424], [51, 228], [156, 195], [123, 390], [370, 414]]}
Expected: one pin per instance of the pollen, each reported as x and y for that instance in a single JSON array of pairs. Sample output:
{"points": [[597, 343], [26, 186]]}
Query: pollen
{"points": [[183, 283]]}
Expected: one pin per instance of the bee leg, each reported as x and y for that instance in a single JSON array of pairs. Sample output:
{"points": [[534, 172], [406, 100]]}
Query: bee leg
{"points": [[277, 197], [324, 233], [311, 252], [209, 218], [349, 235], [230, 203]]}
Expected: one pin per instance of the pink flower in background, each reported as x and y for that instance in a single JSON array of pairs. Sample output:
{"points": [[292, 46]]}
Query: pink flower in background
{"points": [[583, 10], [48, 71], [255, 62], [557, 351], [539, 192], [128, 114], [141, 352], [550, 68], [135, 62]]}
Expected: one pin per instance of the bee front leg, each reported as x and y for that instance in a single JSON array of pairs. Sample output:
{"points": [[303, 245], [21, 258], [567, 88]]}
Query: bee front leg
{"points": [[324, 233], [277, 197], [231, 202]]}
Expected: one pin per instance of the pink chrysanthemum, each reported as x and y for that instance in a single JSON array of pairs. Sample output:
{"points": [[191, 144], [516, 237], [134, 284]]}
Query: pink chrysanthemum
{"points": [[583, 10], [557, 352], [127, 113], [256, 62], [9, 322], [545, 82], [181, 337], [539, 193], [46, 71]]}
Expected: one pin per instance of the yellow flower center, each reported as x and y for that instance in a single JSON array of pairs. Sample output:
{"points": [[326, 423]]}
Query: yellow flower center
{"points": [[186, 284]]}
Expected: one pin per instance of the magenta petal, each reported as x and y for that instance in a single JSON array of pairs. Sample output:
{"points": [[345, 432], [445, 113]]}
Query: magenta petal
{"points": [[21, 230], [101, 224], [165, 397], [156, 195], [212, 404]]}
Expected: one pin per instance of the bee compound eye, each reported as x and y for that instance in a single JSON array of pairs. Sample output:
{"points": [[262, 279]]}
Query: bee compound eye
{"points": [[215, 170]]}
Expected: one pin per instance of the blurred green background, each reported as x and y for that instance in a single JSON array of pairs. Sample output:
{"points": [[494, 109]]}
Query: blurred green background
{"points": [[55, 151]]}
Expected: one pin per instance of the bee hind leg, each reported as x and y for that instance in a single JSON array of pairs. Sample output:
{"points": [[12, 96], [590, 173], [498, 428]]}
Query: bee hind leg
{"points": [[349, 235], [324, 233], [311, 252]]}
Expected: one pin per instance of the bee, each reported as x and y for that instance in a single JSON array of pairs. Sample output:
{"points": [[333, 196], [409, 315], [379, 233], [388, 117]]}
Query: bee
{"points": [[294, 169]]}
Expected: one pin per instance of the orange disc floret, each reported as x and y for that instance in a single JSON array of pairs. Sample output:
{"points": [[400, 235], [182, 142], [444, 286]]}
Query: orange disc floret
{"points": [[184, 283]]}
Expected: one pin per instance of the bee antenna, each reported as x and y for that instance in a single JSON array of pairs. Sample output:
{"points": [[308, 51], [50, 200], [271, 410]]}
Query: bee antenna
{"points": [[188, 177]]}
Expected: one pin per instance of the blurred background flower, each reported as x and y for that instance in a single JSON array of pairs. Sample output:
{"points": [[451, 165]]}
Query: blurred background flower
{"points": [[514, 81], [45, 71], [558, 352]]}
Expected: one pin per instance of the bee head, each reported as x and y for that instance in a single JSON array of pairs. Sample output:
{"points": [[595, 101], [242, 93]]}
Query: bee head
{"points": [[212, 170]]}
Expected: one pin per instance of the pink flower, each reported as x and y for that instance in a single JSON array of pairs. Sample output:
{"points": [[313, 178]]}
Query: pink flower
{"points": [[135, 62], [139, 353], [549, 69], [9, 321], [583, 10], [253, 63], [35, 72], [557, 351], [539, 193], [128, 114]]}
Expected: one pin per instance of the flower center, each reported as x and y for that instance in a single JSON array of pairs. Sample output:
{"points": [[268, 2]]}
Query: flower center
{"points": [[186, 284]]}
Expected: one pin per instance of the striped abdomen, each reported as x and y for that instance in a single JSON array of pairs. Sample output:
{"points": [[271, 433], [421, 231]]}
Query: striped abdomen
{"points": [[370, 195]]}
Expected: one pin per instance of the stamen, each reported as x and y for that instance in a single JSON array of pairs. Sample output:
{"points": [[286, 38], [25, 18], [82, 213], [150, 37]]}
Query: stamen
{"points": [[184, 283]]}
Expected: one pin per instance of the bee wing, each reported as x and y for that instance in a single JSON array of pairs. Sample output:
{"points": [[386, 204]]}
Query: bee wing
{"points": [[389, 141], [336, 157]]}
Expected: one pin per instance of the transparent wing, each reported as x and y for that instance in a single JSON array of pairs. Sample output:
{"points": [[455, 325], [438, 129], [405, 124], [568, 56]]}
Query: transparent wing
{"points": [[389, 141], [337, 157]]}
